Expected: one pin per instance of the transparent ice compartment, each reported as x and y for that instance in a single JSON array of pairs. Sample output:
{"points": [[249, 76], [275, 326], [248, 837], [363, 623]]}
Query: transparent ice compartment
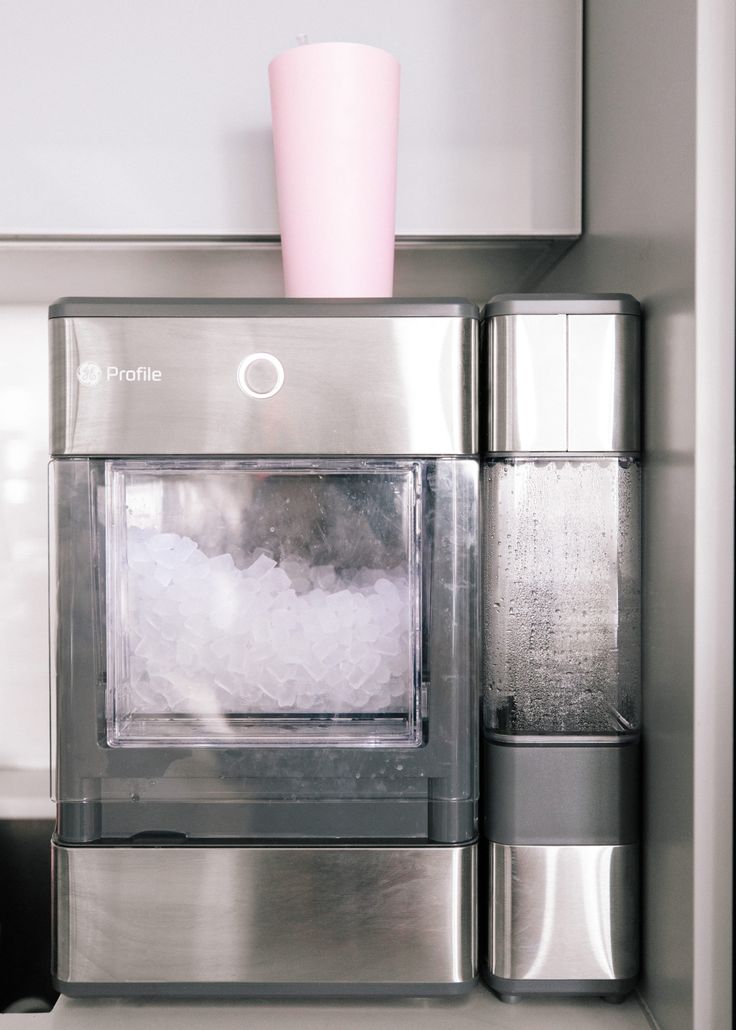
{"points": [[255, 602], [561, 595]]}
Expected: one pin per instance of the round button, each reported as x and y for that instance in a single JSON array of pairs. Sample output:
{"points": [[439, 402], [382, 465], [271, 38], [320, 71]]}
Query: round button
{"points": [[260, 375]]}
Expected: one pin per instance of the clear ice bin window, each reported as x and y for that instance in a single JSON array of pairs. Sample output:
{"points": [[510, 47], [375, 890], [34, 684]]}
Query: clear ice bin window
{"points": [[253, 602], [561, 595], [391, 543]]}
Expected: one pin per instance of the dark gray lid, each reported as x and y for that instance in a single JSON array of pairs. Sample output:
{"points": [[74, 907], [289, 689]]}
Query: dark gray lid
{"points": [[562, 304], [235, 307]]}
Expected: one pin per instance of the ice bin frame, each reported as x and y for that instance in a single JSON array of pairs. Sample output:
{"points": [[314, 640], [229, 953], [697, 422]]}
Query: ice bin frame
{"points": [[255, 668]]}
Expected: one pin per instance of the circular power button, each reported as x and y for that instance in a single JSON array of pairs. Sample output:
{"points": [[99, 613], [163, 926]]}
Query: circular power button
{"points": [[260, 375]]}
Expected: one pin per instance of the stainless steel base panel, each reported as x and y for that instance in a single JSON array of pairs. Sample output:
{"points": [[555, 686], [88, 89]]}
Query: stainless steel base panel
{"points": [[276, 921], [562, 919]]}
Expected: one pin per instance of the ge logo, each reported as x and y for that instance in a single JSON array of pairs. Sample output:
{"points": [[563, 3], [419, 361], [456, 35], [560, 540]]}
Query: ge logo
{"points": [[89, 373]]}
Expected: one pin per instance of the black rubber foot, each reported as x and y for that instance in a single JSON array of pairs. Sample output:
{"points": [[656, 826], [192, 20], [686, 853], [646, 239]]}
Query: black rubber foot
{"points": [[508, 999]]}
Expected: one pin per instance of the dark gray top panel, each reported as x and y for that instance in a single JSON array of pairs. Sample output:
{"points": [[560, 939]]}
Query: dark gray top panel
{"points": [[562, 304], [561, 793], [235, 307]]}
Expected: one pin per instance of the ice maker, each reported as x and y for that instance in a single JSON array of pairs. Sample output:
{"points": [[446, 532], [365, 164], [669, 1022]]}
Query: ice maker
{"points": [[561, 624], [264, 523]]}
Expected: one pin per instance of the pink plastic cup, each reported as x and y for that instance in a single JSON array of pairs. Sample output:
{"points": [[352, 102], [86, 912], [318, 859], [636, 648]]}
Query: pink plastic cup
{"points": [[335, 110]]}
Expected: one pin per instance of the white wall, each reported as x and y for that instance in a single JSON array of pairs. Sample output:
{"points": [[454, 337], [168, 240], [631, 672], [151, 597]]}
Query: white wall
{"points": [[24, 677]]}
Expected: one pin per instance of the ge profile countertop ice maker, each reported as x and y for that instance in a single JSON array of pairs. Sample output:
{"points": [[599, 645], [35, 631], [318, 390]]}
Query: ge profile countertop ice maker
{"points": [[264, 522]]}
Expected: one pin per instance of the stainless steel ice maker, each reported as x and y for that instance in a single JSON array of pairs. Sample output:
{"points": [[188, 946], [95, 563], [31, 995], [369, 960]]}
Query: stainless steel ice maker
{"points": [[264, 525]]}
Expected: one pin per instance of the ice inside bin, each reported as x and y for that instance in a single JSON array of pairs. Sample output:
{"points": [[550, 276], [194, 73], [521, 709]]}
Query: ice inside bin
{"points": [[255, 601], [562, 595]]}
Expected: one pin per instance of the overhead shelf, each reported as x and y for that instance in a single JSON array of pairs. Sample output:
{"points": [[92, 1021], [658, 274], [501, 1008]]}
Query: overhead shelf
{"points": [[154, 124]]}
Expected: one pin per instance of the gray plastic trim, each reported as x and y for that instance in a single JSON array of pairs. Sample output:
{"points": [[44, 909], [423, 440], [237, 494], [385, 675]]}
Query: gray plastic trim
{"points": [[236, 307], [451, 820], [561, 304], [411, 819], [512, 990], [163, 839], [548, 795]]}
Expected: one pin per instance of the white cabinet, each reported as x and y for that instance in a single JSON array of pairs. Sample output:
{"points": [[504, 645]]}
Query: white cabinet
{"points": [[152, 118]]}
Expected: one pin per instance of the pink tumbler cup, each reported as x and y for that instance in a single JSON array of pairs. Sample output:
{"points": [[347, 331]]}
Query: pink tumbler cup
{"points": [[335, 110]]}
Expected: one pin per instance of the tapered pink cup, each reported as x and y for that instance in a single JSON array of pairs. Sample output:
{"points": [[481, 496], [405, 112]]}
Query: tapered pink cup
{"points": [[335, 110]]}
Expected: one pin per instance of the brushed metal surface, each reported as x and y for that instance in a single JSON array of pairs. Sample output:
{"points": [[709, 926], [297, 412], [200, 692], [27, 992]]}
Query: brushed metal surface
{"points": [[564, 383], [328, 915], [564, 912], [350, 386], [528, 383], [603, 370]]}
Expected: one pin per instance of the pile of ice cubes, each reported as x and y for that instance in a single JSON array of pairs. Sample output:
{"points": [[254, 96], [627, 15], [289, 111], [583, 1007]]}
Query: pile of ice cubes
{"points": [[206, 637]]}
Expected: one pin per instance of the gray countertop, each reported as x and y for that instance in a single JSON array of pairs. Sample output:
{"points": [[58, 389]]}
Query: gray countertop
{"points": [[480, 1009]]}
